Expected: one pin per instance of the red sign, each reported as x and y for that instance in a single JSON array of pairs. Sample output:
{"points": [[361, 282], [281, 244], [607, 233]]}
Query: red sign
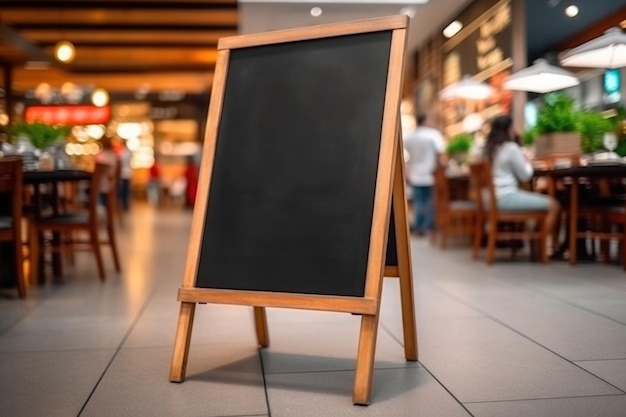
{"points": [[68, 115]]}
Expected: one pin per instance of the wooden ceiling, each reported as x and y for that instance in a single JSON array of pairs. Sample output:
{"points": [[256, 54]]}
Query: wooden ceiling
{"points": [[121, 45]]}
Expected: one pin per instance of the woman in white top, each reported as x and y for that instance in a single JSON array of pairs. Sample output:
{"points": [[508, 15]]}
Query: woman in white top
{"points": [[510, 166]]}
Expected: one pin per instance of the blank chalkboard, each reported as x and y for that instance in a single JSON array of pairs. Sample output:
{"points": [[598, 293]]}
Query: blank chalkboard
{"points": [[292, 189], [301, 185], [391, 256]]}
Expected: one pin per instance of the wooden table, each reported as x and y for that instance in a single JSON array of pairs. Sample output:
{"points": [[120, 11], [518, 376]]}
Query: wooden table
{"points": [[595, 172]]}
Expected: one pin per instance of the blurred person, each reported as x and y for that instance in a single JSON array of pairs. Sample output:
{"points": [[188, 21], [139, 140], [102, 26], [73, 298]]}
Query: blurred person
{"points": [[191, 177], [154, 183], [511, 165], [109, 157], [126, 171], [425, 147]]}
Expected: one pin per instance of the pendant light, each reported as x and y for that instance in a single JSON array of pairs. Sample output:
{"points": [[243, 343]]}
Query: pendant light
{"points": [[605, 51], [541, 77], [467, 88]]}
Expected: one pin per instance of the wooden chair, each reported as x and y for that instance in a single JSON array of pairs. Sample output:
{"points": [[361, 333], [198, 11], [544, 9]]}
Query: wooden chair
{"points": [[616, 219], [602, 219], [11, 224], [492, 217], [452, 217], [69, 225]]}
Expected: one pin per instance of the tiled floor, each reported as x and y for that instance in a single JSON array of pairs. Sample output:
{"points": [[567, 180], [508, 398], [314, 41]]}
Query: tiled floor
{"points": [[514, 339]]}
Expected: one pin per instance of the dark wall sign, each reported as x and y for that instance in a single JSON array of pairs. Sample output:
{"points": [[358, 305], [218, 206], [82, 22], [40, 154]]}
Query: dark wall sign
{"points": [[482, 49]]}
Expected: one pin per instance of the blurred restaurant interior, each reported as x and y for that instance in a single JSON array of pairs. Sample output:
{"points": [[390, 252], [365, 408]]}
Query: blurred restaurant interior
{"points": [[150, 63], [80, 79], [143, 70]]}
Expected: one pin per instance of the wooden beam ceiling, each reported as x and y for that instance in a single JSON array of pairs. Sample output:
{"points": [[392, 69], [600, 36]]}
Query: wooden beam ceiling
{"points": [[120, 45]]}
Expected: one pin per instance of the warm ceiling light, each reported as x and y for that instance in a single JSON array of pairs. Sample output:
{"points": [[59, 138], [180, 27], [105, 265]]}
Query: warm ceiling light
{"points": [[540, 77], [316, 11], [452, 29], [64, 51], [571, 11], [100, 97], [605, 51], [468, 89]]}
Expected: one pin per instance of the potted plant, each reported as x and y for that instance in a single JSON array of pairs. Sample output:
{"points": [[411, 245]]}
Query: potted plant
{"points": [[529, 136], [459, 146], [41, 135], [556, 126], [592, 126]]}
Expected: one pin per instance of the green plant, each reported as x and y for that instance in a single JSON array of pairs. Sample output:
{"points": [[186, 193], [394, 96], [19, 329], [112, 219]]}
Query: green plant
{"points": [[41, 134], [529, 136], [459, 144], [592, 126], [557, 114]]}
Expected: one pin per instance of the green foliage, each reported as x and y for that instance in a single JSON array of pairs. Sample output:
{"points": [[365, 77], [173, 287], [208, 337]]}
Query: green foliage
{"points": [[592, 126], [459, 144], [41, 134], [529, 136], [557, 114]]}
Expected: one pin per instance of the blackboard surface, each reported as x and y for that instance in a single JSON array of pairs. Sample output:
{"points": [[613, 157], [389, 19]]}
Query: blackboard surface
{"points": [[391, 256], [292, 189]]}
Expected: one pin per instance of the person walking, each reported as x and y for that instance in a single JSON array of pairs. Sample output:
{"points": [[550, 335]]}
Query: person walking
{"points": [[425, 147]]}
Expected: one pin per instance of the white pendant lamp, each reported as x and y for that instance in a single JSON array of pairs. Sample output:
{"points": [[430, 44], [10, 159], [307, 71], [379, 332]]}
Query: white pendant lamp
{"points": [[605, 51], [541, 77], [467, 88]]}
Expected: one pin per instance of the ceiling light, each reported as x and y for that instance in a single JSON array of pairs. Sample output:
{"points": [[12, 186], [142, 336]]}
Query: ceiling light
{"points": [[541, 77], [64, 51], [571, 11], [452, 29], [467, 88], [100, 97], [316, 11], [605, 51]]}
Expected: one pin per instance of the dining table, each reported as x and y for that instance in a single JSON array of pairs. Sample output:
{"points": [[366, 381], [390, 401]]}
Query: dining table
{"points": [[591, 172], [52, 180]]}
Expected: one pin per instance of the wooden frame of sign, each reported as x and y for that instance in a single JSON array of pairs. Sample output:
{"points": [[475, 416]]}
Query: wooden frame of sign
{"points": [[268, 231]]}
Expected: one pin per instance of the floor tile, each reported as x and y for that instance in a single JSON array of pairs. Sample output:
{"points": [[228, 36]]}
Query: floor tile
{"points": [[613, 372], [51, 384], [606, 406], [65, 333], [479, 360], [403, 392], [224, 382]]}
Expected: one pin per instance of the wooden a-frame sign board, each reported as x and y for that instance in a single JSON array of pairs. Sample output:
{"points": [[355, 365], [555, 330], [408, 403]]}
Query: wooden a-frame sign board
{"points": [[302, 167]]}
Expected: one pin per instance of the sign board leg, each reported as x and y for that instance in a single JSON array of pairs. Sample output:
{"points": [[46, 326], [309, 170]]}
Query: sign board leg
{"points": [[404, 258], [365, 360], [181, 344], [260, 325]]}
